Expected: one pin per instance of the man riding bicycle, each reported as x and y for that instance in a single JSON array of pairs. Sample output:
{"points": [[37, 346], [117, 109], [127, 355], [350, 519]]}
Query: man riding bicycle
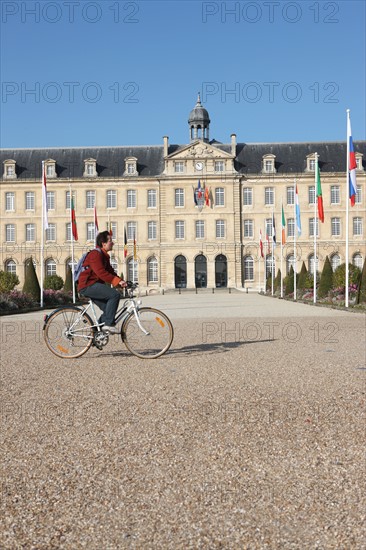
{"points": [[97, 272]]}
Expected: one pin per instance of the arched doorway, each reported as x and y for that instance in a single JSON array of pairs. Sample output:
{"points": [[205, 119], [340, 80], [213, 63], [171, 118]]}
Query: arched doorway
{"points": [[221, 271], [180, 272], [200, 271]]}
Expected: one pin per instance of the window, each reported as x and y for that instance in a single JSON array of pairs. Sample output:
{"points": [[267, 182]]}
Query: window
{"points": [[247, 196], [359, 161], [220, 196], [357, 260], [290, 194], [357, 226], [67, 200], [111, 199], [310, 163], [179, 197], [90, 232], [268, 164], [151, 198], [9, 169], [50, 168], [335, 261], [269, 227], [131, 166], [90, 199], [248, 228], [335, 194], [200, 229], [311, 264], [336, 227], [179, 229], [50, 200], [50, 267], [131, 198], [68, 232], [114, 263], [90, 168], [290, 227], [179, 167], [30, 232], [132, 270], [131, 230], [51, 232], [312, 226], [248, 268], [220, 229], [151, 231], [29, 200], [270, 266], [10, 233], [219, 166], [269, 196], [359, 195], [311, 194], [10, 202], [11, 267], [290, 262], [152, 270], [113, 228]]}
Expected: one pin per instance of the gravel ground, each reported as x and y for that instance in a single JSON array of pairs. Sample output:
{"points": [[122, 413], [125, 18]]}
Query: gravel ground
{"points": [[249, 433]]}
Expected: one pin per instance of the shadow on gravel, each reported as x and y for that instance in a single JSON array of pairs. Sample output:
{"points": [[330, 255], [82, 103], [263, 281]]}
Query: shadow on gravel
{"points": [[196, 349]]}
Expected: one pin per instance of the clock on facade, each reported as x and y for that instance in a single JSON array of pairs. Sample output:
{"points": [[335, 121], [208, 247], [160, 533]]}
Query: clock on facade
{"points": [[199, 165]]}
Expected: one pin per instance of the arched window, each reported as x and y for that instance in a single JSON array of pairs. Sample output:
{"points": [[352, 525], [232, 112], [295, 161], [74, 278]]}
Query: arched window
{"points": [[221, 271], [11, 266], [132, 270], [270, 266], [335, 261], [50, 267], [311, 264], [357, 260], [200, 271], [152, 270], [114, 264], [290, 261], [248, 268], [180, 272]]}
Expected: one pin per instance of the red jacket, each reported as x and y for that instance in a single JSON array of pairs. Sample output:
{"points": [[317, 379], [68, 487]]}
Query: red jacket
{"points": [[99, 270]]}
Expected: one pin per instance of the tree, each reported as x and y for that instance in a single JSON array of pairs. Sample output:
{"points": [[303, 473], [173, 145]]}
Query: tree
{"points": [[361, 295], [31, 284], [277, 281], [68, 280], [326, 279], [289, 281], [8, 281], [53, 282], [269, 283], [302, 277], [339, 276]]}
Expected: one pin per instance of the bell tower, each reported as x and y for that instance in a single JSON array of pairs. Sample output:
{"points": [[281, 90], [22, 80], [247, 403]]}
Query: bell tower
{"points": [[199, 122]]}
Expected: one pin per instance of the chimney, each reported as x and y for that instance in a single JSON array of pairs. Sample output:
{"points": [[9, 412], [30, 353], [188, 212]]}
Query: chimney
{"points": [[233, 145], [166, 145]]}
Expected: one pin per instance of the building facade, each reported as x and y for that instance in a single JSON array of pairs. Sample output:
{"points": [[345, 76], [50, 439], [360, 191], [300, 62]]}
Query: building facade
{"points": [[195, 210]]}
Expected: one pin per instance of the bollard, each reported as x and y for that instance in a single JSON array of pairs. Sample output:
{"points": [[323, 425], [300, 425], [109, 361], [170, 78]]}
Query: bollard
{"points": [[213, 291], [180, 291], [229, 289], [247, 290]]}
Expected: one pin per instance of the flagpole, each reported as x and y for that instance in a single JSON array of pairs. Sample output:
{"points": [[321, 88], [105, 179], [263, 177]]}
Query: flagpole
{"points": [[282, 229], [72, 249], [295, 229], [347, 214], [315, 223], [42, 237], [265, 261], [273, 247]]}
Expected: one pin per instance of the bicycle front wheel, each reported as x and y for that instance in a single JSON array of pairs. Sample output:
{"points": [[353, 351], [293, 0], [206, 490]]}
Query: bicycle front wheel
{"points": [[68, 333], [153, 338]]}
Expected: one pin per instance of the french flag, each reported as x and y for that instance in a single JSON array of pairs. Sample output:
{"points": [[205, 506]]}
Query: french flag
{"points": [[352, 165]]}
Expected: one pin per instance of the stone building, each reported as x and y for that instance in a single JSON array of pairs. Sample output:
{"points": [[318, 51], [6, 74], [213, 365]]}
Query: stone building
{"points": [[195, 210]]}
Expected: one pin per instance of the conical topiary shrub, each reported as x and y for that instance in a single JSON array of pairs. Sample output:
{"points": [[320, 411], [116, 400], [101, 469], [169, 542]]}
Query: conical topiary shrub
{"points": [[326, 279], [289, 282], [277, 281], [301, 280], [361, 295], [68, 280], [31, 284]]}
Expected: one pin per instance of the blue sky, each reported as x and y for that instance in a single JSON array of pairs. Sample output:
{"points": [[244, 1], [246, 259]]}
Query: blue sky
{"points": [[79, 73]]}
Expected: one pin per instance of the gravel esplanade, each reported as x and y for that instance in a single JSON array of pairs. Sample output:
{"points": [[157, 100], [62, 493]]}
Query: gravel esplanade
{"points": [[249, 433]]}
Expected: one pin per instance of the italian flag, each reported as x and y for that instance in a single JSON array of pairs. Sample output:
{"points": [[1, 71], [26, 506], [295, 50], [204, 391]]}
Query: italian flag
{"points": [[319, 194]]}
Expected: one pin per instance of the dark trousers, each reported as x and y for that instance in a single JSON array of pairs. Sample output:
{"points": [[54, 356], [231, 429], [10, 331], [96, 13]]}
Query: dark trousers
{"points": [[106, 298]]}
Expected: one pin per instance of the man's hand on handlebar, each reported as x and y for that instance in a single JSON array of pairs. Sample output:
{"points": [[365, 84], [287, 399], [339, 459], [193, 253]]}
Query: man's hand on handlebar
{"points": [[122, 284]]}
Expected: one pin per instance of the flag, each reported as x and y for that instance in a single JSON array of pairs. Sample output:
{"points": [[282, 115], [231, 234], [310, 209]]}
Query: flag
{"points": [[134, 247], [195, 196], [283, 240], [319, 194], [352, 165], [298, 220], [96, 221], [268, 243], [125, 244], [199, 190], [273, 231], [261, 243], [207, 196], [44, 197], [74, 228], [109, 226]]}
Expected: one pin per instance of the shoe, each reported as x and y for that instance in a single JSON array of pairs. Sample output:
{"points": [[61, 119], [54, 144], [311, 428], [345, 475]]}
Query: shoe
{"points": [[111, 330]]}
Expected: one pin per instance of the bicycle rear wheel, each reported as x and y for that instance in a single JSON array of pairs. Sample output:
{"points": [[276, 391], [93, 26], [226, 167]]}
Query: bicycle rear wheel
{"points": [[156, 342], [67, 333]]}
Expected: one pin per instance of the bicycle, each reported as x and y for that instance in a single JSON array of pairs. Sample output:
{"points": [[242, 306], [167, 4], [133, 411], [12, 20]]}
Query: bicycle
{"points": [[70, 331]]}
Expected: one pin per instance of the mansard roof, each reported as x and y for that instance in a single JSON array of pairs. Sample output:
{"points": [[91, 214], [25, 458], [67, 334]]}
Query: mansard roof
{"points": [[290, 158]]}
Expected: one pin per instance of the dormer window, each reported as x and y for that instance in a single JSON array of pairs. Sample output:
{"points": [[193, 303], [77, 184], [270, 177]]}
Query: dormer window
{"points": [[359, 161], [268, 164], [310, 163], [131, 166], [90, 168], [50, 168], [9, 170]]}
